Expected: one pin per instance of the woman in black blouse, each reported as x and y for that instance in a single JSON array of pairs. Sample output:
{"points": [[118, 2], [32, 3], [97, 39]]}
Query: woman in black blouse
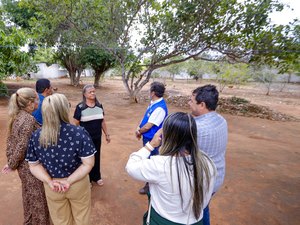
{"points": [[61, 155], [90, 115]]}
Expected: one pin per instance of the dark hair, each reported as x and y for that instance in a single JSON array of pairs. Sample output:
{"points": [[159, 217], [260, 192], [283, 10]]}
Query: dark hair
{"points": [[179, 139], [207, 94], [41, 85], [87, 86], [158, 88]]}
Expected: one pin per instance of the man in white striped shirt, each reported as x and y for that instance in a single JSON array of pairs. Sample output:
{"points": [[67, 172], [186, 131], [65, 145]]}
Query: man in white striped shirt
{"points": [[212, 132]]}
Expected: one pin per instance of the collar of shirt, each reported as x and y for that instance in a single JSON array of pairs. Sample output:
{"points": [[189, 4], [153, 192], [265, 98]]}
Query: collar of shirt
{"points": [[156, 101], [41, 97], [209, 114]]}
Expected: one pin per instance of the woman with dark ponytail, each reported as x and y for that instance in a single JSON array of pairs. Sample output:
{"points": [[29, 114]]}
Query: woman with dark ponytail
{"points": [[181, 178]]}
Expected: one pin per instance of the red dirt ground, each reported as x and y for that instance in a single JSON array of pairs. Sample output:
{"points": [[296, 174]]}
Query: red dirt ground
{"points": [[262, 182]]}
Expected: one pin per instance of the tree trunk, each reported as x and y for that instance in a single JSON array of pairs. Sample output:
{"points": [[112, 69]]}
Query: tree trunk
{"points": [[268, 88], [99, 70], [289, 78], [77, 79], [72, 74], [133, 97], [97, 78], [134, 90], [131, 92], [71, 67]]}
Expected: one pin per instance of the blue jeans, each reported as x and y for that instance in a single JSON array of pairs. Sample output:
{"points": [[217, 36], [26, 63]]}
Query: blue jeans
{"points": [[155, 151], [206, 219]]}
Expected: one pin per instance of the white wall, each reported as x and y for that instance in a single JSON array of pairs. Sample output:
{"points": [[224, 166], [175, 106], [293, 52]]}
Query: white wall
{"points": [[53, 71]]}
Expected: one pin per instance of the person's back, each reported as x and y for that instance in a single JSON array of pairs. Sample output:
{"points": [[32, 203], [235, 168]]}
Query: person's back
{"points": [[61, 155], [63, 158], [166, 198], [212, 132], [21, 125], [43, 88], [153, 120], [212, 139], [181, 178]]}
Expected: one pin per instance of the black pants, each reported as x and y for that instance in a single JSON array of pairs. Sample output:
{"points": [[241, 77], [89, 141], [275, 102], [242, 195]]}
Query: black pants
{"points": [[95, 173]]}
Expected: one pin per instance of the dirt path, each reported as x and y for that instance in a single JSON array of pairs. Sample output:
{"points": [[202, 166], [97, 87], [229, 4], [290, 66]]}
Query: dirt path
{"points": [[262, 182]]}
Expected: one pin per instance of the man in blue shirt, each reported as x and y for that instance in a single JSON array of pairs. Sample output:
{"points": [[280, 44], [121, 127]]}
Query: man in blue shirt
{"points": [[43, 88], [212, 132], [153, 119]]}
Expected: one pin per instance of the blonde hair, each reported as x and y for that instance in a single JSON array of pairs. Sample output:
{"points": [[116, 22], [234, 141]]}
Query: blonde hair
{"points": [[19, 101], [55, 109]]}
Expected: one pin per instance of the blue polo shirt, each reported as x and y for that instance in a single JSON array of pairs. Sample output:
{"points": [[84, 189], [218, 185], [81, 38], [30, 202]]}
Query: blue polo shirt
{"points": [[37, 114], [63, 159]]}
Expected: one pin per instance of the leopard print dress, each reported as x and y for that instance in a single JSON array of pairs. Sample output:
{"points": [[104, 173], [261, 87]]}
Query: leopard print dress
{"points": [[34, 200]]}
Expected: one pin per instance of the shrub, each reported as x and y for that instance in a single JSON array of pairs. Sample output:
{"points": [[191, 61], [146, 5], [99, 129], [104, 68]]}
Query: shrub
{"points": [[237, 101], [3, 89]]}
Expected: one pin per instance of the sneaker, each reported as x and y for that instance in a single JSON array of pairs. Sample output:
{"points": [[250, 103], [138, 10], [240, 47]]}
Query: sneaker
{"points": [[100, 182], [144, 190]]}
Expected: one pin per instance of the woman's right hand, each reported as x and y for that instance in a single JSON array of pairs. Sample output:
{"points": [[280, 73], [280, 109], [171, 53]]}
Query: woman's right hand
{"points": [[65, 185], [59, 186], [6, 169]]}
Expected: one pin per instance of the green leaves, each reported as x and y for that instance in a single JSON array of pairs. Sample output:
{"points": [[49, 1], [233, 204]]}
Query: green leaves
{"points": [[12, 59], [164, 32]]}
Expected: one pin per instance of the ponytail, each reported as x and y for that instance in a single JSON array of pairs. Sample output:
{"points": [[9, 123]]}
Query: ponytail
{"points": [[13, 110], [17, 102]]}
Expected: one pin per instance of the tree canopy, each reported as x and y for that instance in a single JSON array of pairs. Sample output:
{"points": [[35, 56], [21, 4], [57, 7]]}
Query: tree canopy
{"points": [[12, 59], [144, 35]]}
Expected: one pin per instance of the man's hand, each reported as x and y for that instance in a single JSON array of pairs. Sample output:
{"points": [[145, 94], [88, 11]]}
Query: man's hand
{"points": [[138, 135]]}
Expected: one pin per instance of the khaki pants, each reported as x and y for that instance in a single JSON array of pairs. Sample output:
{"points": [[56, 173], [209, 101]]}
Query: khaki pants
{"points": [[72, 207]]}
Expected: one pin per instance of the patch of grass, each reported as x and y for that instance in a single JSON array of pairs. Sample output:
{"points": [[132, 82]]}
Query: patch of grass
{"points": [[238, 101]]}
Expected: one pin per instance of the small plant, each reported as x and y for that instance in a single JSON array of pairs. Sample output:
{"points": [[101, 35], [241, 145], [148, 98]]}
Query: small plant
{"points": [[3, 89], [237, 101]]}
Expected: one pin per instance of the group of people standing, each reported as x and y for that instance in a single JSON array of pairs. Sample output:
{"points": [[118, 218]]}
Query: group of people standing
{"points": [[189, 167], [182, 160], [60, 155]]}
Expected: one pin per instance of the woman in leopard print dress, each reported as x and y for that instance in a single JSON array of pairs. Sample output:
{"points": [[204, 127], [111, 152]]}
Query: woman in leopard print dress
{"points": [[21, 126]]}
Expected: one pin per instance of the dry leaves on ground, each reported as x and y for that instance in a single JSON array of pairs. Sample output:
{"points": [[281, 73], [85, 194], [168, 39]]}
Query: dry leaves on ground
{"points": [[236, 106]]}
